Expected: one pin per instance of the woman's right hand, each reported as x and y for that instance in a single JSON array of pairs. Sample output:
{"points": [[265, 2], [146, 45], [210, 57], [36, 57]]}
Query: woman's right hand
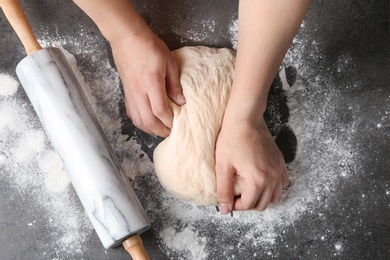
{"points": [[148, 71], [149, 77]]}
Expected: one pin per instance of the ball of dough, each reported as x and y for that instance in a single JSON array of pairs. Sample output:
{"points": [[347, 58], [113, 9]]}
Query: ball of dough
{"points": [[185, 161]]}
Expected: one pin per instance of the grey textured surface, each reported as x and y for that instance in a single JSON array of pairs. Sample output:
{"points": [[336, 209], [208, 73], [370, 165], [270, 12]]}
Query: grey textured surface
{"points": [[334, 31]]}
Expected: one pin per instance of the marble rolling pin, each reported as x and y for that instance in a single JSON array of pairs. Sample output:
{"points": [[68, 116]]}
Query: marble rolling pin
{"points": [[95, 172]]}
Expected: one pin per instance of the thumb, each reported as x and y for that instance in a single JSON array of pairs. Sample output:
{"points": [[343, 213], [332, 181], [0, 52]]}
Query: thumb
{"points": [[174, 89], [225, 188]]}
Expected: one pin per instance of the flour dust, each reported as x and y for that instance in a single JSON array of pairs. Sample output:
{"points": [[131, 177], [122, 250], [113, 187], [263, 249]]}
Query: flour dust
{"points": [[183, 229], [34, 170], [313, 103]]}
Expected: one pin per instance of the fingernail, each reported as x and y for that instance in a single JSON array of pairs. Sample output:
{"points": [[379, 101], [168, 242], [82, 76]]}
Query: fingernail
{"points": [[224, 208], [180, 99]]}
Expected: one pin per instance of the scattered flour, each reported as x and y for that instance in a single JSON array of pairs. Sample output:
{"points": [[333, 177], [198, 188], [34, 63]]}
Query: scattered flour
{"points": [[29, 164], [32, 166], [233, 32], [184, 229], [196, 32], [185, 240], [315, 177], [56, 178], [338, 246], [9, 85], [30, 143]]}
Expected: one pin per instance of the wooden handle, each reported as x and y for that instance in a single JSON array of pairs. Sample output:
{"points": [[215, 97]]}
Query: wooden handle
{"points": [[134, 246], [16, 17]]}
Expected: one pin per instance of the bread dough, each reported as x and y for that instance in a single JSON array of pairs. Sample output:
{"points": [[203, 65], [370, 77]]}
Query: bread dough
{"points": [[185, 161]]}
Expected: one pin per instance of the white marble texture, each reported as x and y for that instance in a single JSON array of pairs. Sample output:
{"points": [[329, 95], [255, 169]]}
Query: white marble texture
{"points": [[75, 133]]}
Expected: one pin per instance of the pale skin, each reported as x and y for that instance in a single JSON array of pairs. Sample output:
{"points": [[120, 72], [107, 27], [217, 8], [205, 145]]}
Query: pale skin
{"points": [[150, 77]]}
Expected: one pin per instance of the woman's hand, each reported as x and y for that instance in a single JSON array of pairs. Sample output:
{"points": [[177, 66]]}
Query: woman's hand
{"points": [[247, 149], [149, 76], [245, 146], [148, 71]]}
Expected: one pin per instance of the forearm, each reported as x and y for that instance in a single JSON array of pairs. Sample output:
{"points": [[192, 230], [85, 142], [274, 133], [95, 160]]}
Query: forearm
{"points": [[266, 30], [115, 19]]}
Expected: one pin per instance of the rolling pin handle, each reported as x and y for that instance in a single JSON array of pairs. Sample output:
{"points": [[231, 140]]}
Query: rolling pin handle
{"points": [[134, 246], [16, 17]]}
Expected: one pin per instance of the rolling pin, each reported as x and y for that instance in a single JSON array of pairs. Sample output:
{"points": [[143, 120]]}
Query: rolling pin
{"points": [[70, 123]]}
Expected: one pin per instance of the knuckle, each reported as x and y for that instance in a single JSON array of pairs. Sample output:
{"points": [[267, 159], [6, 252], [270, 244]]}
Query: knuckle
{"points": [[270, 175], [149, 122], [273, 168], [137, 122], [273, 176], [159, 110], [223, 196], [260, 178]]}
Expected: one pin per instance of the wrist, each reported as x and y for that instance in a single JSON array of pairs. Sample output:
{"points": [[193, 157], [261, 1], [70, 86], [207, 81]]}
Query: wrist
{"points": [[244, 111], [246, 103], [115, 19], [124, 28]]}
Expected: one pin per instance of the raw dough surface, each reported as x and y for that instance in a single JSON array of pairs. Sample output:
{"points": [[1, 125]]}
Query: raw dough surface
{"points": [[185, 161]]}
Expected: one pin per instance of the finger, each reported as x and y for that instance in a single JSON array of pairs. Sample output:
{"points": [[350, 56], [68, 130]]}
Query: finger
{"points": [[146, 120], [133, 113], [265, 197], [284, 176], [159, 103], [224, 179], [277, 194], [249, 196], [174, 89]]}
